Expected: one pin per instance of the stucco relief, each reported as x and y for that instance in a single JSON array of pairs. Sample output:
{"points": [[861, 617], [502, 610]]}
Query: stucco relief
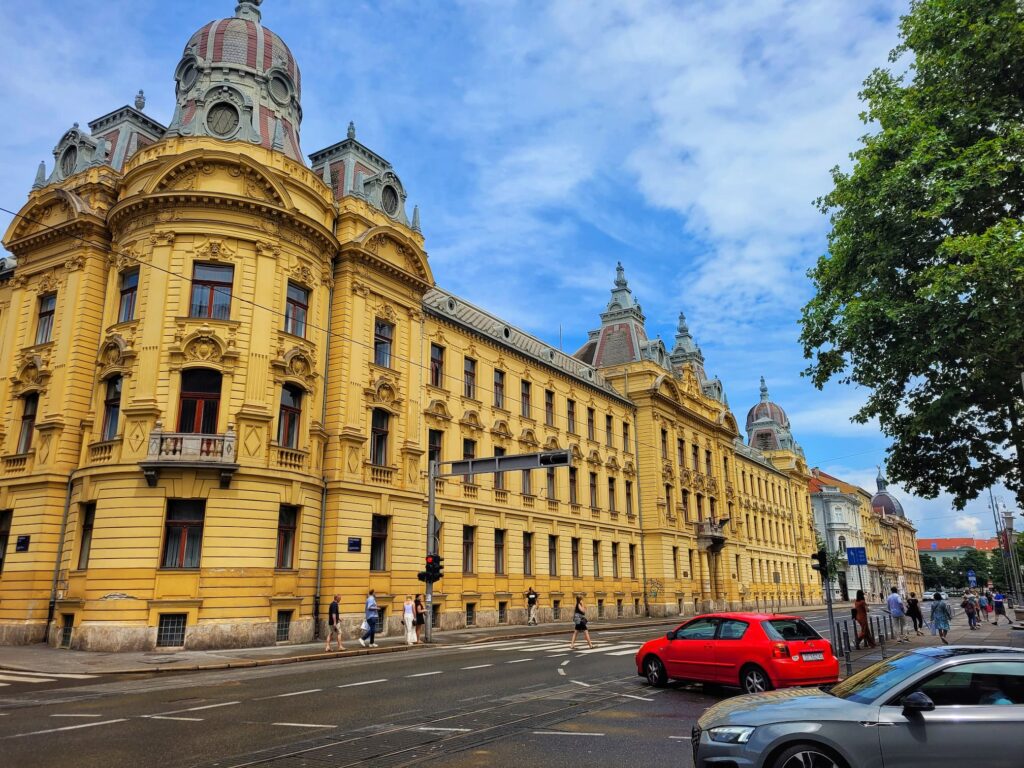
{"points": [[215, 249]]}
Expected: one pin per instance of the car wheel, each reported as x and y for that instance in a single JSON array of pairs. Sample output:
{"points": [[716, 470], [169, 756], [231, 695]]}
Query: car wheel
{"points": [[654, 671], [754, 680], [806, 756]]}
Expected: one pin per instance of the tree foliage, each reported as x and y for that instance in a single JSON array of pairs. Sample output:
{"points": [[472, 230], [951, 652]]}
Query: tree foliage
{"points": [[920, 298], [931, 572]]}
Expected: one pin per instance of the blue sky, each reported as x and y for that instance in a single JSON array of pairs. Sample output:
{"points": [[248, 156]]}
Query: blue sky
{"points": [[543, 142]]}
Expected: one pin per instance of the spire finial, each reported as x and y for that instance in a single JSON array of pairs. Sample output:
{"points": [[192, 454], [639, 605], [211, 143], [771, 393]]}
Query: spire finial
{"points": [[880, 480], [416, 218], [140, 100], [278, 143], [327, 175], [351, 129], [620, 276], [40, 181], [248, 9], [764, 391], [683, 328]]}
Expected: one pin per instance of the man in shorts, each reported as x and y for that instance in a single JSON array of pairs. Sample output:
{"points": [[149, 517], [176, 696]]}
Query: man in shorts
{"points": [[999, 603], [334, 624]]}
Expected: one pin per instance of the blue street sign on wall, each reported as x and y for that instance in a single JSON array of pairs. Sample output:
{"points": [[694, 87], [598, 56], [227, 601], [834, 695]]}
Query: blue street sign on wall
{"points": [[856, 556]]}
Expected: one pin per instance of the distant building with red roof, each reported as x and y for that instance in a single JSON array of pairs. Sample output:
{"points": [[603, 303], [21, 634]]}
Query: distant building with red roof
{"points": [[948, 548]]}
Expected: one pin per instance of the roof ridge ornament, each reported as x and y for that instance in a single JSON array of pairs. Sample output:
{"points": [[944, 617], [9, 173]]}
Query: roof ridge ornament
{"points": [[880, 480], [416, 218], [249, 10], [40, 181], [620, 276], [140, 100], [351, 133], [764, 391]]}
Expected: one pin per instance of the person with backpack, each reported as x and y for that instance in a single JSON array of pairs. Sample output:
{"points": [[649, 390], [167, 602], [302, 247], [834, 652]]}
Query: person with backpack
{"points": [[940, 616]]}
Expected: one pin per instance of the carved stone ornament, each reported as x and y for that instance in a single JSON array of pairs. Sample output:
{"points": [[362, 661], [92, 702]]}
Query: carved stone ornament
{"points": [[215, 249], [296, 365], [203, 349], [528, 437], [116, 355], [577, 454], [203, 346], [551, 444], [303, 274], [501, 430], [471, 419], [594, 457], [48, 283], [33, 374], [389, 313], [612, 464], [267, 248], [385, 393], [74, 263], [438, 409], [123, 257]]}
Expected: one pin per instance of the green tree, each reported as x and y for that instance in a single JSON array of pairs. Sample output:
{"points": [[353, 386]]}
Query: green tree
{"points": [[920, 297], [931, 572]]}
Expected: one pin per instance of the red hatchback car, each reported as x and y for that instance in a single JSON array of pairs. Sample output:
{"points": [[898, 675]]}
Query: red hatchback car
{"points": [[756, 651]]}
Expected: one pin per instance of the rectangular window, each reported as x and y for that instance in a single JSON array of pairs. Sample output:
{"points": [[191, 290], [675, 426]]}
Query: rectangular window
{"points": [[183, 533], [211, 291], [499, 388], [681, 453], [380, 429], [170, 630], [499, 552], [44, 323], [527, 483], [435, 439], [527, 553], [611, 494], [590, 424], [573, 490], [129, 293], [383, 342], [289, 416], [699, 507], [284, 626], [111, 408], [609, 434], [436, 366], [593, 490], [287, 520], [88, 520], [199, 402], [625, 436], [296, 309], [597, 559], [618, 608], [575, 558], [668, 498], [469, 378], [600, 608], [503, 612], [524, 399], [6, 516], [552, 555], [570, 415], [615, 559], [499, 477], [379, 543], [67, 627], [694, 454], [664, 444], [707, 463], [468, 539], [470, 614], [686, 503], [725, 467], [469, 452], [556, 609], [629, 497], [549, 407], [675, 562], [632, 561], [551, 483]]}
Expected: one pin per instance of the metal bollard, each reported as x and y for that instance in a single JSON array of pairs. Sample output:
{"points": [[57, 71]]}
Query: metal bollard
{"points": [[846, 651], [881, 634]]}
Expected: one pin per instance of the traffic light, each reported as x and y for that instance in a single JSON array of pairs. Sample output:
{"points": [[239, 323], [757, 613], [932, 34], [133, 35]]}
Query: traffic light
{"points": [[435, 568], [555, 458], [820, 564]]}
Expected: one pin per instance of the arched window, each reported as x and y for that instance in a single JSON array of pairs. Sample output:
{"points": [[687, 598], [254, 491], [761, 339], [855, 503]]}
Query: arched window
{"points": [[379, 437], [199, 402], [111, 408], [842, 544], [288, 418]]}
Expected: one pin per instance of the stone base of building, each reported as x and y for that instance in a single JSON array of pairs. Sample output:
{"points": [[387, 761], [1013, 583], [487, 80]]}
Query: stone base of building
{"points": [[22, 633]]}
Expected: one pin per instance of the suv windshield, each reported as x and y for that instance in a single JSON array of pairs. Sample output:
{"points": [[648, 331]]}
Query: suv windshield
{"points": [[789, 629], [868, 684]]}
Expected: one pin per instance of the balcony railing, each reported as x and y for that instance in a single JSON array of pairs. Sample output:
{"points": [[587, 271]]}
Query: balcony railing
{"points": [[102, 452], [290, 458], [17, 463], [192, 450], [574, 508], [528, 501], [470, 491], [552, 505], [501, 495], [380, 475]]}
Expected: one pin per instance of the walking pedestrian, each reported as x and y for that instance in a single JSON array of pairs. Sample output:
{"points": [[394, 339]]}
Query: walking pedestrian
{"points": [[370, 621], [990, 605], [579, 624], [970, 606], [940, 616], [409, 620], [420, 616], [898, 611], [983, 606], [860, 614], [334, 624], [914, 612], [531, 606], [999, 606]]}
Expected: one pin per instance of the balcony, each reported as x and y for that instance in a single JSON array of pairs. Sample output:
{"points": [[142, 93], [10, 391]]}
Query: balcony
{"points": [[501, 496], [711, 535], [574, 508], [104, 452], [18, 463], [470, 491], [528, 501], [187, 450], [290, 458], [552, 505], [380, 475]]}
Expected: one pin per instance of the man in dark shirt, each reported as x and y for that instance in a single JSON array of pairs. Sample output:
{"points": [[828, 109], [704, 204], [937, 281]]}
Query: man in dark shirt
{"points": [[531, 605], [334, 624]]}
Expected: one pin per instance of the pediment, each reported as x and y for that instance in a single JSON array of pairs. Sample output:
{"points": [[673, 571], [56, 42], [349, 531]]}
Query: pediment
{"points": [[391, 246], [219, 172]]}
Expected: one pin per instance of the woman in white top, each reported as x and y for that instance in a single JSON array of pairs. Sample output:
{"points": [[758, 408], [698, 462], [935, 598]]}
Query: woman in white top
{"points": [[409, 619]]}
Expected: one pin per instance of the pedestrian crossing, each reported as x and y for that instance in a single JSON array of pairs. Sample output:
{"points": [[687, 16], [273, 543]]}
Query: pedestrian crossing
{"points": [[560, 647], [9, 677]]}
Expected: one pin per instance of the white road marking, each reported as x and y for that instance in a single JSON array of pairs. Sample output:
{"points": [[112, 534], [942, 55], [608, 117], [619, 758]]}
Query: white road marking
{"points": [[518, 661], [304, 725], [20, 679], [67, 728], [557, 655], [426, 674], [479, 666], [364, 682], [577, 682], [566, 662], [453, 730], [609, 649], [627, 652], [297, 693], [67, 675], [72, 715], [681, 738], [561, 671], [631, 696], [169, 717], [196, 709], [565, 733], [4, 685]]}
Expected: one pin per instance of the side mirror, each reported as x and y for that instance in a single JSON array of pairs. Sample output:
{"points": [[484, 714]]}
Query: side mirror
{"points": [[917, 701], [670, 635]]}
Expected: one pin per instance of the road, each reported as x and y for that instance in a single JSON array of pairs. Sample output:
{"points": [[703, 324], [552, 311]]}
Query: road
{"points": [[511, 702]]}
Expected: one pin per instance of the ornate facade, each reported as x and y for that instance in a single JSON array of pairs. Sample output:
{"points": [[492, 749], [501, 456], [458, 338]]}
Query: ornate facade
{"points": [[226, 369]]}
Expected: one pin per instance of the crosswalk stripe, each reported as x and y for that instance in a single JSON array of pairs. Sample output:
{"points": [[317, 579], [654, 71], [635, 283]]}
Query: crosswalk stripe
{"points": [[628, 652], [62, 675], [18, 679], [607, 649]]}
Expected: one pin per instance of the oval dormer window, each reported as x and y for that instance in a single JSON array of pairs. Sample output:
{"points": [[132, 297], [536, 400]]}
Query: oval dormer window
{"points": [[187, 76], [68, 161], [280, 88], [389, 199], [222, 119]]}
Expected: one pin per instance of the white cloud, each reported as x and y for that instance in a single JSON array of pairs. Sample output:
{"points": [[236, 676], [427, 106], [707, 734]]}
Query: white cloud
{"points": [[969, 524]]}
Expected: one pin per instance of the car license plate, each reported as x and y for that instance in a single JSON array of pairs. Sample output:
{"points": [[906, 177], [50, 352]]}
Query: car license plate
{"points": [[819, 656]]}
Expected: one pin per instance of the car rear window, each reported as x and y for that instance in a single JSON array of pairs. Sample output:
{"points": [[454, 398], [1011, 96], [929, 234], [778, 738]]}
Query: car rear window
{"points": [[789, 629]]}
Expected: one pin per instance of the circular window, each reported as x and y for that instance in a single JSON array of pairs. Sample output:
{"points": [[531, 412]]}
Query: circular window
{"points": [[222, 119], [506, 332], [280, 89], [451, 305], [389, 199], [188, 75], [68, 161]]}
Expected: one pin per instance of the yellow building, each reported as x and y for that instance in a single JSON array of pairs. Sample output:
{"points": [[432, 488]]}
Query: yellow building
{"points": [[225, 372]]}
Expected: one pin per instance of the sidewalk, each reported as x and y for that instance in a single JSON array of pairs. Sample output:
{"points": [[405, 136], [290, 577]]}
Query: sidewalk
{"points": [[45, 659]]}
